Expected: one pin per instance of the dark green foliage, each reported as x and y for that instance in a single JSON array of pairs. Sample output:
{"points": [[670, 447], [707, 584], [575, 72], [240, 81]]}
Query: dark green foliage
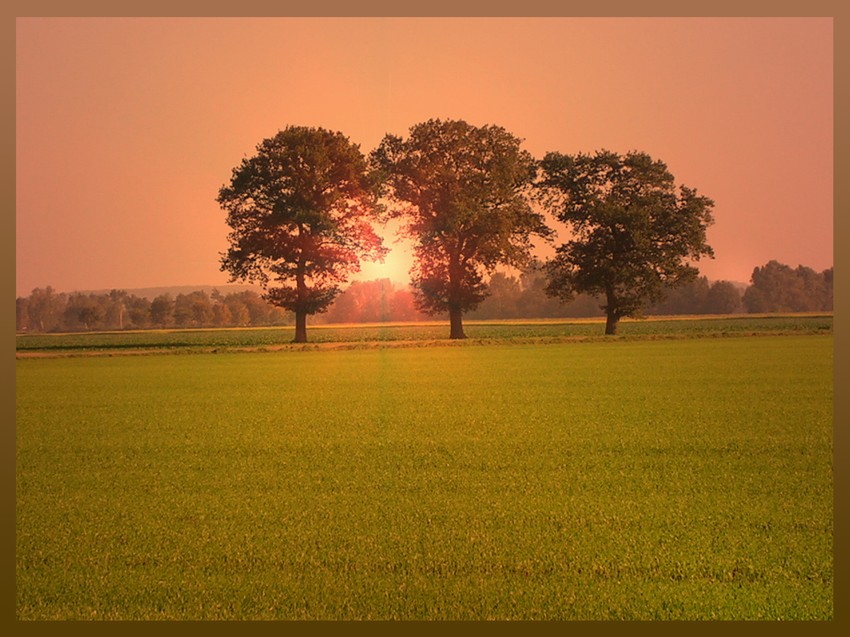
{"points": [[462, 191], [299, 215], [634, 233]]}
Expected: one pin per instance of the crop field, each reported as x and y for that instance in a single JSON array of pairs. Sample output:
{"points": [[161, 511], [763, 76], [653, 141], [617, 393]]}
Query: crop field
{"points": [[645, 478], [201, 340]]}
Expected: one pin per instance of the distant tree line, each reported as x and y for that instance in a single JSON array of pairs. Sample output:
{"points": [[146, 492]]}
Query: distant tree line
{"points": [[376, 301], [774, 287], [46, 310], [525, 297]]}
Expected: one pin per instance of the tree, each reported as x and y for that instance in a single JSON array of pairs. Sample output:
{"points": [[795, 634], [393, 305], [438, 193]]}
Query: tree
{"points": [[372, 300], [827, 300], [633, 233], [22, 316], [257, 308], [300, 211], [182, 310], [502, 302], [115, 308], [344, 307], [138, 311], [536, 303], [364, 302], [685, 298], [84, 310], [240, 316], [221, 315], [162, 310], [815, 288], [462, 191], [777, 287], [193, 309], [403, 306], [45, 309], [723, 298]]}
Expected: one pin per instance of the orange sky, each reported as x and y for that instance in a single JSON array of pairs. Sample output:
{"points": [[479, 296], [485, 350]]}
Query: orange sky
{"points": [[127, 128]]}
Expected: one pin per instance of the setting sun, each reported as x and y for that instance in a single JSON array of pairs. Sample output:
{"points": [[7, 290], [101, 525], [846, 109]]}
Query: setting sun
{"points": [[396, 265]]}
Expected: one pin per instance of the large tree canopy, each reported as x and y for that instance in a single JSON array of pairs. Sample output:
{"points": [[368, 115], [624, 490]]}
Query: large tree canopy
{"points": [[634, 233], [463, 192], [300, 211]]}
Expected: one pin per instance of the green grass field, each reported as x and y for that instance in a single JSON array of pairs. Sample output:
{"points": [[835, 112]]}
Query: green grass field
{"points": [[628, 479]]}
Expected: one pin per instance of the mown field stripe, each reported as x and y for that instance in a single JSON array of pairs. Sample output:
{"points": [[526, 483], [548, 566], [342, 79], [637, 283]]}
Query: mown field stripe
{"points": [[410, 335]]}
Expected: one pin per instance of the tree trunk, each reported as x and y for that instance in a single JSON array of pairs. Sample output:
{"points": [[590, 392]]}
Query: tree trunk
{"points": [[456, 318], [611, 310], [301, 287], [300, 327], [612, 323], [455, 280]]}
